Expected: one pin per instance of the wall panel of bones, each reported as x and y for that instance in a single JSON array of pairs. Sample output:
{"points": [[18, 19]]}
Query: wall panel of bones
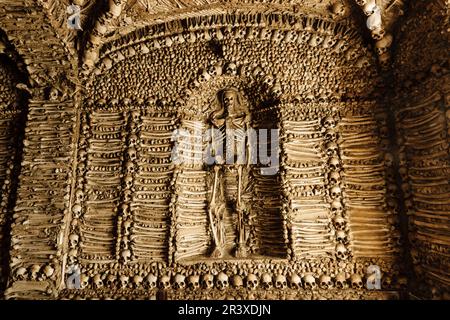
{"points": [[109, 185], [423, 122]]}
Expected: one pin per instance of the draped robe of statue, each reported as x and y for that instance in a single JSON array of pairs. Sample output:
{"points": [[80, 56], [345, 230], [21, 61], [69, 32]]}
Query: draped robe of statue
{"points": [[230, 125]]}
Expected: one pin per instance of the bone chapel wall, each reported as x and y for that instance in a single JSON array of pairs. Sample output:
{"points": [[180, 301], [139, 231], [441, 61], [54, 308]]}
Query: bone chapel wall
{"points": [[107, 182]]}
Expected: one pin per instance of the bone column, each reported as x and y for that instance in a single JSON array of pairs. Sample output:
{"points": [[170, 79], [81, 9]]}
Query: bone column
{"points": [[152, 183], [125, 219], [362, 131], [105, 151], [192, 235], [304, 186], [423, 126]]}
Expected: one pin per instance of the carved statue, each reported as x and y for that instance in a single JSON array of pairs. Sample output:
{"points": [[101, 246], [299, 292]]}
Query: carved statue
{"points": [[230, 125]]}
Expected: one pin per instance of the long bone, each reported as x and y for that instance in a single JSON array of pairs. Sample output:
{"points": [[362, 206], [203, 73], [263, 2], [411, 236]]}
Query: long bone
{"points": [[414, 123], [366, 157]]}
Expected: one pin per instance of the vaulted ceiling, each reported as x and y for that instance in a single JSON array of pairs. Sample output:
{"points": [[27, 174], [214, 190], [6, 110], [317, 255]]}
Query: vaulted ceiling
{"points": [[45, 22]]}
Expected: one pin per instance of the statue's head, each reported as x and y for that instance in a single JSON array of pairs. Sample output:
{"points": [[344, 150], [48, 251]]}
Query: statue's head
{"points": [[229, 98], [229, 101]]}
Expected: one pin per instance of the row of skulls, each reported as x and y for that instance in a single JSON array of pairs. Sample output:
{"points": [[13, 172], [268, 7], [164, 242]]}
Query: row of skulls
{"points": [[222, 281], [375, 25], [334, 179], [314, 32]]}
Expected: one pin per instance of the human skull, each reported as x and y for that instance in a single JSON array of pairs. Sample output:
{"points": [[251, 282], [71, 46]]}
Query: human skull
{"points": [[266, 281], [269, 81], [128, 181], [280, 281], [136, 116], [124, 281], [277, 36], [204, 76], [127, 227], [329, 122], [125, 255], [384, 131], [73, 240], [356, 281], [231, 69], [363, 62], [335, 178], [84, 281], [97, 280], [378, 33], [258, 72], [240, 33], [207, 281], [329, 41], [402, 282], [79, 195], [133, 137], [152, 281], [179, 282], [252, 33], [110, 280], [276, 90], [137, 280], [222, 281], [370, 7], [385, 60], [48, 271], [383, 44], [360, 2], [309, 98], [335, 192], [82, 154], [331, 148], [315, 40], [237, 281], [334, 163], [341, 236], [309, 281], [21, 273], [330, 134], [325, 282], [252, 281], [406, 188], [290, 36], [386, 282], [304, 37], [265, 34], [336, 207], [34, 271], [341, 251], [164, 282], [295, 281], [76, 209], [341, 281], [131, 154], [388, 159], [215, 70], [53, 94], [193, 282]]}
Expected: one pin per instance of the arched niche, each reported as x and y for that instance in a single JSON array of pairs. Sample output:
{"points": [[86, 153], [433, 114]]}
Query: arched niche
{"points": [[203, 193]]}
